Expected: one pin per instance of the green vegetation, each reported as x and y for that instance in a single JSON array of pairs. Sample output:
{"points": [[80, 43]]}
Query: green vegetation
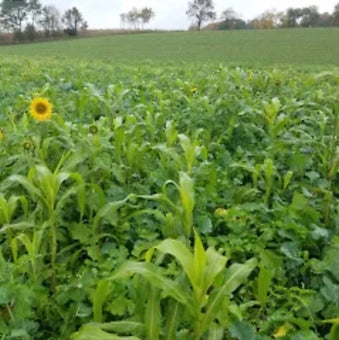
{"points": [[291, 46], [174, 202]]}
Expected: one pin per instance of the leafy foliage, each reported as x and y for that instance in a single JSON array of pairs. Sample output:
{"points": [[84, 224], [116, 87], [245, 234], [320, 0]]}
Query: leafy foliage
{"points": [[177, 202]]}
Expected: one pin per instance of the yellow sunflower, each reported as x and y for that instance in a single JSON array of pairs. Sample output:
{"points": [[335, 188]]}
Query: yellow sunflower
{"points": [[40, 109]]}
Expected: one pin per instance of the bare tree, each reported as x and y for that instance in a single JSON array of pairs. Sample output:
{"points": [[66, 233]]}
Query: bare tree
{"points": [[201, 11], [123, 20], [50, 20]]}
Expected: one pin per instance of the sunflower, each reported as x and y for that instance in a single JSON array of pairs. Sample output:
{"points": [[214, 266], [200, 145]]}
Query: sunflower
{"points": [[93, 129], [41, 109]]}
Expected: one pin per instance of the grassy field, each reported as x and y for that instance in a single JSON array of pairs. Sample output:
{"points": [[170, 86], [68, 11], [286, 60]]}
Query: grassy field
{"points": [[292, 46]]}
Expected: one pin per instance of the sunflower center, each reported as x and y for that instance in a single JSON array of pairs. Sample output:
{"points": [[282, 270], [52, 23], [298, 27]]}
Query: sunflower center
{"points": [[40, 108]]}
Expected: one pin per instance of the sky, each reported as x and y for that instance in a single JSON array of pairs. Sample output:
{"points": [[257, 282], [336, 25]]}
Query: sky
{"points": [[170, 14]]}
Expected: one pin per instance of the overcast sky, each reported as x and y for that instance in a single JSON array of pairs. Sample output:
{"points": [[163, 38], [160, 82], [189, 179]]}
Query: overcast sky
{"points": [[170, 14]]}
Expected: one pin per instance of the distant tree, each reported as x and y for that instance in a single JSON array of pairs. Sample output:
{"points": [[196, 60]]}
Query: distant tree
{"points": [[146, 14], [293, 16], [123, 20], [325, 20], [232, 24], [267, 20], [336, 15], [13, 13], [231, 20], [137, 18], [133, 18], [50, 20], [309, 16], [29, 33], [73, 21], [34, 8], [229, 14], [201, 11]]}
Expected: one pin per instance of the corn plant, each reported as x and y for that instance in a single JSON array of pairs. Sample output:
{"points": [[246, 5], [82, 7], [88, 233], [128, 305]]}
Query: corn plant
{"points": [[201, 302], [43, 187]]}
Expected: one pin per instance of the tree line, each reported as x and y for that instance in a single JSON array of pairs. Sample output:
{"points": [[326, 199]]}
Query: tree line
{"points": [[28, 19], [202, 11], [136, 18]]}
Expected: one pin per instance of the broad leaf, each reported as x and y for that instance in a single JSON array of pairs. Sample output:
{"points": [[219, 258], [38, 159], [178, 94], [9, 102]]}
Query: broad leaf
{"points": [[182, 254], [234, 277], [153, 314], [91, 332], [150, 272], [99, 298]]}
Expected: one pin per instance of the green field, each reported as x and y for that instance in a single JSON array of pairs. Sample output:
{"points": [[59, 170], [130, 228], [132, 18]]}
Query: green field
{"points": [[292, 46], [178, 186]]}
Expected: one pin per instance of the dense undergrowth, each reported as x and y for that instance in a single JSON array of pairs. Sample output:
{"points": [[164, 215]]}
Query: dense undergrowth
{"points": [[188, 202]]}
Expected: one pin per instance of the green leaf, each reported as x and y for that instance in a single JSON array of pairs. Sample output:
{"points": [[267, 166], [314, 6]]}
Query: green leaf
{"points": [[182, 254], [199, 260], [299, 202], [234, 277], [242, 331], [215, 265], [331, 260], [99, 298], [90, 332], [107, 210], [121, 327], [334, 333], [287, 179], [30, 188], [307, 335], [237, 274], [215, 332], [173, 314], [204, 224], [153, 314], [151, 274], [186, 191], [264, 282], [334, 321]]}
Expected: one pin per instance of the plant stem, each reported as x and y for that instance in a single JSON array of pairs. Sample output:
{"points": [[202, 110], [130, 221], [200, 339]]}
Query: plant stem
{"points": [[53, 254]]}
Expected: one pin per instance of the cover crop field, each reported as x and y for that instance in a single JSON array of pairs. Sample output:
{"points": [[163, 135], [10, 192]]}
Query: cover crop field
{"points": [[264, 47], [173, 202]]}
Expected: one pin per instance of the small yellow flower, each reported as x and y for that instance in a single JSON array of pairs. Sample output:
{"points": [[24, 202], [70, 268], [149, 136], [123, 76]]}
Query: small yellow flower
{"points": [[1, 135], [220, 212], [193, 90], [41, 109], [281, 331]]}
